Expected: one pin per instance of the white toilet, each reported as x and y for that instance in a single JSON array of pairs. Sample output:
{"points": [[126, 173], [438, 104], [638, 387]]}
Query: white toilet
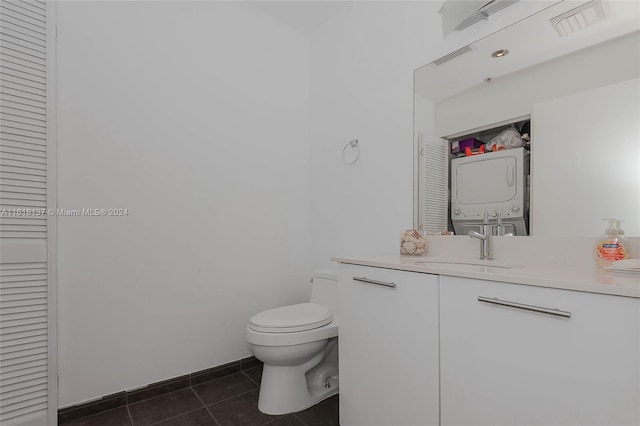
{"points": [[298, 345]]}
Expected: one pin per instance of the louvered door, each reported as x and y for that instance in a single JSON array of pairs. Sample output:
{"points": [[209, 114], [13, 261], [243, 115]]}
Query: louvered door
{"points": [[27, 326], [433, 185]]}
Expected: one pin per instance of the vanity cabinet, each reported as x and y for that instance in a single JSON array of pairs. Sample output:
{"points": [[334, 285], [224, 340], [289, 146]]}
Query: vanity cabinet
{"points": [[503, 365], [388, 347]]}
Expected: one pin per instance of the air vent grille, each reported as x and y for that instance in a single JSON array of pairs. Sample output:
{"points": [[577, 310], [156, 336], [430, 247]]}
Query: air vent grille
{"points": [[452, 55], [581, 17]]}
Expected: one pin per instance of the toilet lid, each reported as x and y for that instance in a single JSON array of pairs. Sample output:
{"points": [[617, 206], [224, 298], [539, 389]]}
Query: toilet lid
{"points": [[292, 318]]}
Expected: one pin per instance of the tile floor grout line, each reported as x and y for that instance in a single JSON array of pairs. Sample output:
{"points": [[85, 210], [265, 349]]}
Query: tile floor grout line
{"points": [[226, 399], [129, 413], [177, 415], [174, 417], [206, 408], [158, 396], [273, 420], [247, 376], [245, 392], [299, 419], [220, 378]]}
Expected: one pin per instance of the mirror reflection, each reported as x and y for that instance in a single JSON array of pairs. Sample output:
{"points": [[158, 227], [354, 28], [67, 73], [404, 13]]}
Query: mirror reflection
{"points": [[544, 139]]}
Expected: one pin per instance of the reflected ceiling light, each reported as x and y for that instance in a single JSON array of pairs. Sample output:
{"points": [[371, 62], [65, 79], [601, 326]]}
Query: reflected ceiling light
{"points": [[500, 53]]}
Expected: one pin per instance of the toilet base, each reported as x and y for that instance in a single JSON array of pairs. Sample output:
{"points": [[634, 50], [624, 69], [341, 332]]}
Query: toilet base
{"points": [[289, 389]]}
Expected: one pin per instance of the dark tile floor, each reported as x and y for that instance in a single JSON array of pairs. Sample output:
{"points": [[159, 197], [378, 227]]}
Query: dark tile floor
{"points": [[228, 401]]}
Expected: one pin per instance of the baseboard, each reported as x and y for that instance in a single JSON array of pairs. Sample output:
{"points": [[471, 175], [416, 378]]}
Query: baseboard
{"points": [[109, 402]]}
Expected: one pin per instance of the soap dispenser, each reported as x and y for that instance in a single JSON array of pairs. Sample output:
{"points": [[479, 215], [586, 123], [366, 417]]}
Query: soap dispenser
{"points": [[612, 246]]}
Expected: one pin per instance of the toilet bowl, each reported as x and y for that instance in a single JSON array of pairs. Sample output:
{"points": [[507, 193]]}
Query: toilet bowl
{"points": [[298, 345]]}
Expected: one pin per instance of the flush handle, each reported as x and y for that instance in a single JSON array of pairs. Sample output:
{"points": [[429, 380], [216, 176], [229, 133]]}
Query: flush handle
{"points": [[375, 282]]}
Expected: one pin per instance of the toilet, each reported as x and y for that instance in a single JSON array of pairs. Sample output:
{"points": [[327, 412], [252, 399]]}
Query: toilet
{"points": [[298, 345]]}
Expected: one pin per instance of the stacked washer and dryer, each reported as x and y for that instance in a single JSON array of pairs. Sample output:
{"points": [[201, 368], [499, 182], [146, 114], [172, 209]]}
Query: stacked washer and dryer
{"points": [[496, 183]]}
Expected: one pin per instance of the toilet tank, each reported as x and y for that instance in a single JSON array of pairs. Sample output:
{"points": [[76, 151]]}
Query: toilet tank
{"points": [[324, 290]]}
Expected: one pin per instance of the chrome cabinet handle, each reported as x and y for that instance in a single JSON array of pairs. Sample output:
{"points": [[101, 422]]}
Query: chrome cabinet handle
{"points": [[549, 311], [376, 282]]}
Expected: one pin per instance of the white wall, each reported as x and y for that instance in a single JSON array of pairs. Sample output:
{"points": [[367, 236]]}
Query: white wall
{"points": [[362, 87], [598, 175], [195, 117]]}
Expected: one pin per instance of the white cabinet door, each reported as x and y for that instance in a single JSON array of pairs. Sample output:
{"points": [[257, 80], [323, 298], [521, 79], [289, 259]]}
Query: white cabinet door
{"points": [[388, 348], [510, 366]]}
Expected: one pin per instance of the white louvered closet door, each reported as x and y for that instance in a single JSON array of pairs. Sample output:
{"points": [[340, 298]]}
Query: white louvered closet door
{"points": [[433, 185], [28, 379]]}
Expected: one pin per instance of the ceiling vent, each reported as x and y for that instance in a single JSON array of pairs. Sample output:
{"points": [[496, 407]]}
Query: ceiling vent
{"points": [[581, 17], [449, 56]]}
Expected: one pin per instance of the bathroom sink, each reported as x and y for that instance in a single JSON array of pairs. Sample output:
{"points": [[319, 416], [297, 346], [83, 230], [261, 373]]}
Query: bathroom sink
{"points": [[461, 263]]}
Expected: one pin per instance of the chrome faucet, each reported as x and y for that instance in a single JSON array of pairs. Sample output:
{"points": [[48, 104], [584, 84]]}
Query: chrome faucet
{"points": [[499, 228], [485, 238]]}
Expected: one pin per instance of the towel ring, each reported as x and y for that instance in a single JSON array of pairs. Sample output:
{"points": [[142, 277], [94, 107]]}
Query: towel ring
{"points": [[351, 144]]}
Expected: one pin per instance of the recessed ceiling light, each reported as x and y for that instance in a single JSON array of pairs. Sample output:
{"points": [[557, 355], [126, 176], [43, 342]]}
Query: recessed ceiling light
{"points": [[500, 53]]}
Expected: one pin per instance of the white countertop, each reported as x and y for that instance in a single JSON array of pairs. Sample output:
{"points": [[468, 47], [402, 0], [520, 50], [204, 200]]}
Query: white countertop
{"points": [[579, 278]]}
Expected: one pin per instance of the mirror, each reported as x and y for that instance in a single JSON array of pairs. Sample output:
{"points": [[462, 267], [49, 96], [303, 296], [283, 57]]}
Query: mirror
{"points": [[581, 94]]}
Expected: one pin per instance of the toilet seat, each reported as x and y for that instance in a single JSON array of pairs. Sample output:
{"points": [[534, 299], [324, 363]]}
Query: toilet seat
{"points": [[291, 319]]}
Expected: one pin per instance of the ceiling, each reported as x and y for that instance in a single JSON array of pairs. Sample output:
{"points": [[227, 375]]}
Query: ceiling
{"points": [[302, 16], [531, 41]]}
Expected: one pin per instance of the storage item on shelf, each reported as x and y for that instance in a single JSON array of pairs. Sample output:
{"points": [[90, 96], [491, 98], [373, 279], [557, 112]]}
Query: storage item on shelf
{"points": [[460, 146], [506, 139], [525, 131], [468, 152]]}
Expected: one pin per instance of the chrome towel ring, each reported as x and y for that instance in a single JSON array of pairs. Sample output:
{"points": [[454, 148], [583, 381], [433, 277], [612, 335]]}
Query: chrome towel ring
{"points": [[354, 145]]}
